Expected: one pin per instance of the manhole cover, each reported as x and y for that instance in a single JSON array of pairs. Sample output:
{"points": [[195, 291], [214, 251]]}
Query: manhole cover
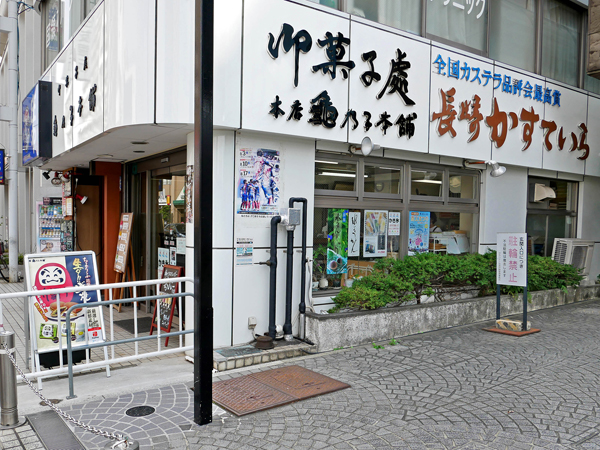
{"points": [[276, 387], [140, 411]]}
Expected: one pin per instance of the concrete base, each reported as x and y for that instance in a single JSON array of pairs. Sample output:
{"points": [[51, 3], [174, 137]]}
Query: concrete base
{"points": [[330, 331]]}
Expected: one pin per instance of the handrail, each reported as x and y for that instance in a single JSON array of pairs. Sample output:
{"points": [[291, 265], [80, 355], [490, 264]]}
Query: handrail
{"points": [[97, 287], [122, 341]]}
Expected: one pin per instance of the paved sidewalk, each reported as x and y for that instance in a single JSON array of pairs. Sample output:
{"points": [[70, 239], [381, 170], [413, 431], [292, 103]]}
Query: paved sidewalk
{"points": [[460, 388]]}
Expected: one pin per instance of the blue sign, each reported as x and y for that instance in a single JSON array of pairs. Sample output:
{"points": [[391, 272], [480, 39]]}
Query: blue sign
{"points": [[30, 126], [2, 166]]}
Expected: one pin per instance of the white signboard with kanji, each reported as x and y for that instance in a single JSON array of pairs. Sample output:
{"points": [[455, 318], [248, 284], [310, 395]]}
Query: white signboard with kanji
{"points": [[511, 262]]}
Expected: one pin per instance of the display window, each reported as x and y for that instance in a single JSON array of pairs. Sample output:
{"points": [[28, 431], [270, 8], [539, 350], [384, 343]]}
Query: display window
{"points": [[379, 212]]}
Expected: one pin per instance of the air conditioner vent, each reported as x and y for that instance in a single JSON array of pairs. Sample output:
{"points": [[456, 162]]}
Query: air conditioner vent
{"points": [[560, 252], [579, 256]]}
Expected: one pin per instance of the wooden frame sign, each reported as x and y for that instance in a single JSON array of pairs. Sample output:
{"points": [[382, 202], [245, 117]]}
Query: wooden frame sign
{"points": [[123, 242], [167, 305]]}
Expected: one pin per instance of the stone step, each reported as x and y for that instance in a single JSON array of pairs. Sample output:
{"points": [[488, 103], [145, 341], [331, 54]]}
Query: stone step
{"points": [[247, 355], [512, 325]]}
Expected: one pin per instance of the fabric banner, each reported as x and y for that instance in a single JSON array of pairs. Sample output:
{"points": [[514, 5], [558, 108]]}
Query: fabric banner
{"points": [[337, 241]]}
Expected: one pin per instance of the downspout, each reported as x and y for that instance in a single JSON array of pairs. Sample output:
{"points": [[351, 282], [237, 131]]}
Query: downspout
{"points": [[289, 282], [273, 276], [302, 306]]}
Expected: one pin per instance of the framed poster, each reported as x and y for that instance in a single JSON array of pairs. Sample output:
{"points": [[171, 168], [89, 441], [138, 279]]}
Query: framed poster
{"points": [[123, 242], [375, 234], [418, 232], [45, 271], [166, 305]]}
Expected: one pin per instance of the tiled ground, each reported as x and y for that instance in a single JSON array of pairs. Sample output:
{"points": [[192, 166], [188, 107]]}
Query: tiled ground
{"points": [[460, 388]]}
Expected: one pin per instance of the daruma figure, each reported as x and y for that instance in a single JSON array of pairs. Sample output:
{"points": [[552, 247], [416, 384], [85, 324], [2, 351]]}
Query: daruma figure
{"points": [[53, 276]]}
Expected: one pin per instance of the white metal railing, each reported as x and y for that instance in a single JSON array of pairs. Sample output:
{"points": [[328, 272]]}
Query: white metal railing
{"points": [[62, 369]]}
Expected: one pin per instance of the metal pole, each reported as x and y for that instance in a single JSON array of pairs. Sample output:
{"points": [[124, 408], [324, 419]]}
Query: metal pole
{"points": [[203, 214], [524, 327], [13, 134], [9, 414]]}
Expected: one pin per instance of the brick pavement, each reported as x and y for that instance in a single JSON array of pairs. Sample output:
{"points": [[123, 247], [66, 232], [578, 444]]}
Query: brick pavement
{"points": [[460, 388]]}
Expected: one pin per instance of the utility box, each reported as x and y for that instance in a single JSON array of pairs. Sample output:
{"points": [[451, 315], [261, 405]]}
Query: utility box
{"points": [[290, 216]]}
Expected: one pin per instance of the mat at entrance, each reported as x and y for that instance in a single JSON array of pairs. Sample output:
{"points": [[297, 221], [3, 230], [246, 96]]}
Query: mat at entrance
{"points": [[143, 324], [53, 431], [271, 388]]}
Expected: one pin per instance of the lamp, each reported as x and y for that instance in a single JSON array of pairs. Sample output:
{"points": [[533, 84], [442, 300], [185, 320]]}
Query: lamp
{"points": [[56, 181], [81, 198], [46, 175], [497, 169], [366, 147]]}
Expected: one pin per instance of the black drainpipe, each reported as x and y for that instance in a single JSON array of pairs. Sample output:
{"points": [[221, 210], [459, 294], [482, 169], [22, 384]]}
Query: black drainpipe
{"points": [[273, 276], [302, 306]]}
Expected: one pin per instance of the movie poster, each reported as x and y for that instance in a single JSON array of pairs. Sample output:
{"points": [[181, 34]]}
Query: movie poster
{"points": [[418, 232], [375, 234], [258, 187], [337, 241], [56, 271]]}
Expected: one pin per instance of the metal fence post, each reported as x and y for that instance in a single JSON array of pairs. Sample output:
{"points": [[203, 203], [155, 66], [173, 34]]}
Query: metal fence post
{"points": [[9, 415]]}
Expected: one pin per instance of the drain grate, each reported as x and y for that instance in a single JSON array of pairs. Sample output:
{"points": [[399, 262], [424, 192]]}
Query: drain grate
{"points": [[275, 387], [238, 351], [140, 411]]}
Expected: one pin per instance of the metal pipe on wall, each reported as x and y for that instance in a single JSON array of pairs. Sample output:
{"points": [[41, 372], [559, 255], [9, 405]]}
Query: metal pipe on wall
{"points": [[273, 277], [13, 134], [289, 282], [304, 202]]}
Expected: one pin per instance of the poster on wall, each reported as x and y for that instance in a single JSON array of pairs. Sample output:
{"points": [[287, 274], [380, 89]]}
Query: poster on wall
{"points": [[163, 259], [244, 250], [337, 241], [418, 232], [54, 271], [173, 255], [375, 234], [394, 225], [49, 245], [258, 186], [354, 234], [189, 190]]}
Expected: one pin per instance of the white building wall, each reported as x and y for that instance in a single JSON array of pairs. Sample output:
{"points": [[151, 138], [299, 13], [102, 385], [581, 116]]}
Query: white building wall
{"points": [[589, 207]]}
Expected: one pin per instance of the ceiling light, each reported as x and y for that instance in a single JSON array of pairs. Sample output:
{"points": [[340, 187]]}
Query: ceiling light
{"points": [[326, 162], [139, 151], [427, 181], [340, 174], [139, 142]]}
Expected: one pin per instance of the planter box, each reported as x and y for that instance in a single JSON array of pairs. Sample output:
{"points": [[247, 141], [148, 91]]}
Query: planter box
{"points": [[329, 331]]}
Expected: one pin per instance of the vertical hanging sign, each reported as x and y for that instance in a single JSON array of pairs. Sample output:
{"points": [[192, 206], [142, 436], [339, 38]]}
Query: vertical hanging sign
{"points": [[337, 241], [2, 160]]}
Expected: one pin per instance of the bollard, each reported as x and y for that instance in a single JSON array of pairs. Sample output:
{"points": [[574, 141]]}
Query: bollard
{"points": [[9, 416]]}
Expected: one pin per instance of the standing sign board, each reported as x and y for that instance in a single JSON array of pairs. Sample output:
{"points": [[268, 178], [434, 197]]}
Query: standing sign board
{"points": [[123, 242], [47, 313], [511, 267], [511, 259], [164, 318]]}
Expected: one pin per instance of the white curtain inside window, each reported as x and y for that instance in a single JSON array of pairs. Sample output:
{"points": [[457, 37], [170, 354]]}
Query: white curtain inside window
{"points": [[560, 48], [446, 19], [512, 32], [402, 14]]}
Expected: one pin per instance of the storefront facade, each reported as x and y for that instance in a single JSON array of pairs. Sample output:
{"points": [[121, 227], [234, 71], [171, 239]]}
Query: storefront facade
{"points": [[298, 86]]}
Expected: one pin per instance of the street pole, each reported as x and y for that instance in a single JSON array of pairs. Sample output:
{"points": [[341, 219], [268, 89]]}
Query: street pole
{"points": [[13, 135], [203, 194]]}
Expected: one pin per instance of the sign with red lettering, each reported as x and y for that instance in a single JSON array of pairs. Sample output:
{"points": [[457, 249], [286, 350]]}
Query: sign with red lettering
{"points": [[511, 259]]}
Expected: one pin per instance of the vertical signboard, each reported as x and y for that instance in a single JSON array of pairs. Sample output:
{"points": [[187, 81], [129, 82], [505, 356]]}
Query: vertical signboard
{"points": [[337, 241], [55, 271], [511, 259], [36, 119], [354, 234], [123, 242], [2, 161]]}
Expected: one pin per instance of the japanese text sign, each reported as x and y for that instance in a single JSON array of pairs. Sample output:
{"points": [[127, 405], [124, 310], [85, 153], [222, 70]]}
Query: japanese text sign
{"points": [[511, 259]]}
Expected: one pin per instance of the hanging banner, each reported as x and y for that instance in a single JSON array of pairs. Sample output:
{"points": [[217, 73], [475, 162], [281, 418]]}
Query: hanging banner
{"points": [[375, 234], [337, 241], [2, 162], [189, 190], [354, 234], [258, 186], [394, 225], [511, 259], [418, 232], [54, 271]]}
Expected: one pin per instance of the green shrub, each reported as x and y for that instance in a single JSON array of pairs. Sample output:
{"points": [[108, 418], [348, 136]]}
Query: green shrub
{"points": [[401, 280]]}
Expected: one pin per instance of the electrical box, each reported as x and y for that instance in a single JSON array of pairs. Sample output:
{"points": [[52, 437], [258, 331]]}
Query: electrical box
{"points": [[290, 216]]}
